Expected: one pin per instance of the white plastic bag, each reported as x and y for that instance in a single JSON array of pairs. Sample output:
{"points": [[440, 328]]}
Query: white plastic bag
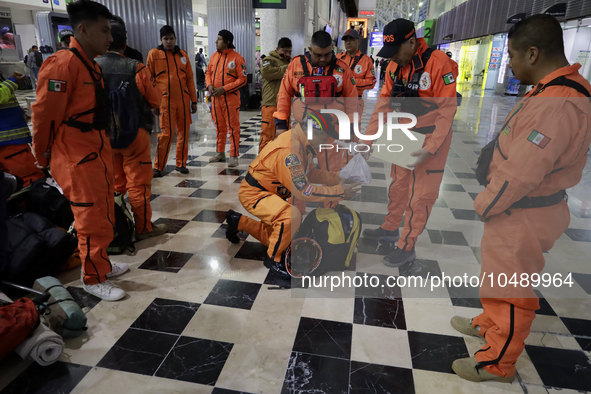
{"points": [[356, 171]]}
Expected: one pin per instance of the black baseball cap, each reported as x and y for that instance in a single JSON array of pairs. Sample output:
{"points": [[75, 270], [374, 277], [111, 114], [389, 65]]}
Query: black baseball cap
{"points": [[65, 33], [351, 33], [396, 33]]}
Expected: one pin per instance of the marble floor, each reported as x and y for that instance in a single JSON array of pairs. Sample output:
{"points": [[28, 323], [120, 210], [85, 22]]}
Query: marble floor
{"points": [[204, 315]]}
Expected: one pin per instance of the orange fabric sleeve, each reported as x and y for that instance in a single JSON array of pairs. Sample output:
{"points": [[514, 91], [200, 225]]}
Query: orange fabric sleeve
{"points": [[190, 79], [147, 86], [240, 72], [527, 163], [368, 80], [286, 92], [150, 64], [209, 70], [291, 173], [49, 111]]}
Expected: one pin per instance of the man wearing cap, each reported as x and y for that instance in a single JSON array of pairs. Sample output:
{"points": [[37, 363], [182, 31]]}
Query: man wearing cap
{"points": [[416, 71], [129, 51], [273, 70], [171, 68], [65, 36], [226, 74], [284, 168], [131, 153]]}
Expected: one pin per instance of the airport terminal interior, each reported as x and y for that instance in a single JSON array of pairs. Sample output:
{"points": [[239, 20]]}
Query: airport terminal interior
{"points": [[203, 315]]}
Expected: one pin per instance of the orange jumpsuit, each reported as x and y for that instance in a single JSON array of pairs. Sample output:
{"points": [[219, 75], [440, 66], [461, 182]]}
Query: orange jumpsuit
{"points": [[81, 162], [16, 157], [414, 191], [284, 168], [174, 76], [541, 150], [133, 165], [330, 159], [226, 70], [364, 74]]}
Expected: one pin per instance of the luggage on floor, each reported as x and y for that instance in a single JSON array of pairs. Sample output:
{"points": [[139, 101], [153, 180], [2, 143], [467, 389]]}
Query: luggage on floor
{"points": [[43, 346], [17, 320], [47, 201], [123, 230]]}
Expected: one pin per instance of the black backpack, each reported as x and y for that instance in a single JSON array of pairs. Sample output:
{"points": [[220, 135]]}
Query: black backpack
{"points": [[38, 59], [47, 201], [123, 230]]}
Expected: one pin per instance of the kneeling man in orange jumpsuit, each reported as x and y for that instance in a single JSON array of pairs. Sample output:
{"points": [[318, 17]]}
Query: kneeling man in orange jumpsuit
{"points": [[131, 147], [284, 168], [70, 122], [540, 152], [226, 74]]}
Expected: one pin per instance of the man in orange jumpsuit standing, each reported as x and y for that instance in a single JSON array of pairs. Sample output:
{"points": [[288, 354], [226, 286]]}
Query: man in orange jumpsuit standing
{"points": [[171, 68], [16, 157], [319, 61], [284, 168], [273, 69], [226, 74], [70, 122], [417, 71], [541, 150], [131, 148]]}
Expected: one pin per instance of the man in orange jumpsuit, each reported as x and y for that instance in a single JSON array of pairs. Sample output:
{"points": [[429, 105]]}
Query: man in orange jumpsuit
{"points": [[16, 157], [70, 122], [226, 74], [273, 69], [362, 68], [284, 168], [131, 148], [541, 150], [417, 71], [319, 61], [171, 68]]}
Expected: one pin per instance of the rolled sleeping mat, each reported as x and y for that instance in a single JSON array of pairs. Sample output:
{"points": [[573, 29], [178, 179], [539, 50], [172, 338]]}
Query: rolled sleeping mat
{"points": [[43, 346], [65, 315]]}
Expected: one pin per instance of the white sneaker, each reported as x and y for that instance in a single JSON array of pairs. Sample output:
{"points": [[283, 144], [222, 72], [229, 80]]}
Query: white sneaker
{"points": [[118, 269], [106, 291]]}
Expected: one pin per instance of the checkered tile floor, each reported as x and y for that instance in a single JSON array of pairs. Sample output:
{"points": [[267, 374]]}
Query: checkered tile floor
{"points": [[204, 316]]}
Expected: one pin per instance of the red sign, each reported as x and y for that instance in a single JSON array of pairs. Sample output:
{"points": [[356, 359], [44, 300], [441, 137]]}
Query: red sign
{"points": [[367, 13]]}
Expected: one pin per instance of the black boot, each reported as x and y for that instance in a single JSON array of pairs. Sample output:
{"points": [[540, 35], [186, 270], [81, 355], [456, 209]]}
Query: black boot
{"points": [[277, 268], [232, 232]]}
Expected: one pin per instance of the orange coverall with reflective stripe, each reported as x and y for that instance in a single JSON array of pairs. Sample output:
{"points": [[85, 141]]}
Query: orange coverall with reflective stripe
{"points": [[174, 76], [330, 159], [133, 165], [541, 151], [414, 191], [283, 168], [226, 70], [81, 163]]}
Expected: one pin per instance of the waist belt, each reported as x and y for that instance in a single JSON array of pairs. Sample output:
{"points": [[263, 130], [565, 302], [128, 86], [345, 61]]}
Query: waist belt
{"points": [[540, 202], [424, 130], [253, 182]]}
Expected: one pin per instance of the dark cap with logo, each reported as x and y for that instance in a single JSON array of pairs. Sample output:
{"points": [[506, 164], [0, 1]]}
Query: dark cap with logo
{"points": [[65, 33], [396, 33], [351, 33]]}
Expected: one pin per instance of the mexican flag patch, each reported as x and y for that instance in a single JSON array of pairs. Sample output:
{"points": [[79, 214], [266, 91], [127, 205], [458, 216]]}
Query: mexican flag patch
{"points": [[448, 78], [538, 139], [57, 86]]}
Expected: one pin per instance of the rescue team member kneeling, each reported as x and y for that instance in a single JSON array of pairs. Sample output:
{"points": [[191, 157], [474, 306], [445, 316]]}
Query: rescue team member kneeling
{"points": [[284, 168], [541, 150], [70, 121], [415, 71], [131, 141], [171, 68], [225, 75]]}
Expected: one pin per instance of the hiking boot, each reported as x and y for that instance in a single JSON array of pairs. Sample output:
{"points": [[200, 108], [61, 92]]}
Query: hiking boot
{"points": [[182, 170], [157, 229], [117, 269], [277, 268], [468, 369], [233, 161], [381, 235], [232, 232], [106, 291], [399, 257], [220, 156], [157, 173], [464, 325]]}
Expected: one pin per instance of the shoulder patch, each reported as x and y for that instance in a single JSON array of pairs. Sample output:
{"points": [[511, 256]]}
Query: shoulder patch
{"points": [[243, 67], [341, 69], [292, 160], [448, 78], [57, 86], [308, 190], [373, 72], [266, 63], [538, 139]]}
